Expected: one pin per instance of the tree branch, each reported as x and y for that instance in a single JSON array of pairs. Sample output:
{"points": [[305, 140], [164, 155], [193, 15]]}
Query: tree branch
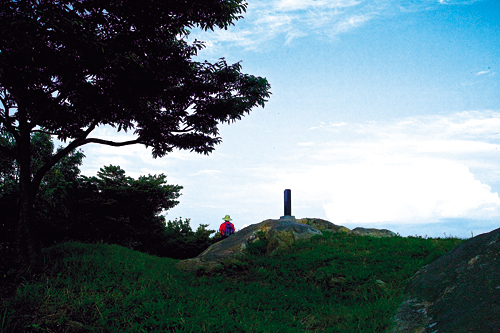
{"points": [[39, 116], [7, 120], [82, 140], [3, 120], [112, 143], [184, 130], [37, 179], [45, 132], [10, 128]]}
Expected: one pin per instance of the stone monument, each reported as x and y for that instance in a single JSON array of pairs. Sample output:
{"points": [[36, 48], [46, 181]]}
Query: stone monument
{"points": [[288, 206]]}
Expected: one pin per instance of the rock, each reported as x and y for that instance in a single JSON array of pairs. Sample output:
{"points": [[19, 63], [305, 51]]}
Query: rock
{"points": [[323, 225], [335, 281], [197, 263], [76, 327], [281, 234], [380, 284], [340, 229], [371, 232], [459, 292]]}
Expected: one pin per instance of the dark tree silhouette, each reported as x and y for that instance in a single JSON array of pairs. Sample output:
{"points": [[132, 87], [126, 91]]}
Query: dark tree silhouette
{"points": [[118, 209], [70, 66], [57, 187]]}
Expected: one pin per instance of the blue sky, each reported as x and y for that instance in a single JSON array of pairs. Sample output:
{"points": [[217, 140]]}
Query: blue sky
{"points": [[384, 114]]}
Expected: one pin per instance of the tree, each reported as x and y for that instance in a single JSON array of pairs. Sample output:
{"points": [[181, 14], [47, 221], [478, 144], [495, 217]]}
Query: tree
{"points": [[181, 242], [114, 208], [109, 207], [70, 66], [52, 202], [117, 209]]}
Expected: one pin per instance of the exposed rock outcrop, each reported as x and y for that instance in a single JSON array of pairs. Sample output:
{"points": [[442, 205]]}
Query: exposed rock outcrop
{"points": [[323, 225], [459, 292], [371, 232], [281, 234]]}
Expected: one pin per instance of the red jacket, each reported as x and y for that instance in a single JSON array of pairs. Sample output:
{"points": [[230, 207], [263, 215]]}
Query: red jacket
{"points": [[223, 227]]}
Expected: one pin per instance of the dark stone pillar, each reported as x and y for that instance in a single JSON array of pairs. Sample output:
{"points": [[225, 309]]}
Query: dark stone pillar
{"points": [[288, 203], [288, 207]]}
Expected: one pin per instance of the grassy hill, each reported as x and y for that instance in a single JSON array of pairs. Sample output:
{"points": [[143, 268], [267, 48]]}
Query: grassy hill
{"points": [[334, 283]]}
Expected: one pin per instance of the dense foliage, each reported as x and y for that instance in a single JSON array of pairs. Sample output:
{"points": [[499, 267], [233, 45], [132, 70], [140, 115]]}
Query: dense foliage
{"points": [[334, 283], [114, 208], [70, 66], [107, 208], [52, 205]]}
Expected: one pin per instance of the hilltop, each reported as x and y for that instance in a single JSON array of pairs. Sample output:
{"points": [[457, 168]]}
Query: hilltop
{"points": [[330, 283]]}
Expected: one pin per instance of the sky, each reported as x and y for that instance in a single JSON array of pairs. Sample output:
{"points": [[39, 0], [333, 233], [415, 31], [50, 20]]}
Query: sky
{"points": [[383, 114]]}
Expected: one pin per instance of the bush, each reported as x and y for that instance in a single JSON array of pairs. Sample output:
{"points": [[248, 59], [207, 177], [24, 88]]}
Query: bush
{"points": [[181, 242]]}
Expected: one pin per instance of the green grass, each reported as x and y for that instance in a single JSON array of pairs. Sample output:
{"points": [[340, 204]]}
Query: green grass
{"points": [[328, 284]]}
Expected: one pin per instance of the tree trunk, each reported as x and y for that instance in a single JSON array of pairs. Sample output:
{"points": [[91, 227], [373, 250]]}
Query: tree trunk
{"points": [[26, 247]]}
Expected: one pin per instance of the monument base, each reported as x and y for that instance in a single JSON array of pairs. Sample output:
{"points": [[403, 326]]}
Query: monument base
{"points": [[287, 217]]}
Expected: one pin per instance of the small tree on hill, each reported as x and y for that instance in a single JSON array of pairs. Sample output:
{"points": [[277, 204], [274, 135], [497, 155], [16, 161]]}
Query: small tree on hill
{"points": [[70, 66], [118, 209]]}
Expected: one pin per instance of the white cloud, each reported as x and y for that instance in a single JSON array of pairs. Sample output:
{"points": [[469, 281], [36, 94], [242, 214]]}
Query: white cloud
{"points": [[290, 5], [416, 169], [414, 190], [470, 125], [458, 2], [207, 172], [454, 146], [419, 5], [232, 36], [325, 125], [293, 5], [482, 72], [290, 19], [350, 23], [411, 170], [287, 20], [474, 125]]}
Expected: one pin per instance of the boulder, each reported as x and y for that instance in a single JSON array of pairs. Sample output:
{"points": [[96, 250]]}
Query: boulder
{"points": [[281, 234], [323, 225], [459, 292], [371, 232]]}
